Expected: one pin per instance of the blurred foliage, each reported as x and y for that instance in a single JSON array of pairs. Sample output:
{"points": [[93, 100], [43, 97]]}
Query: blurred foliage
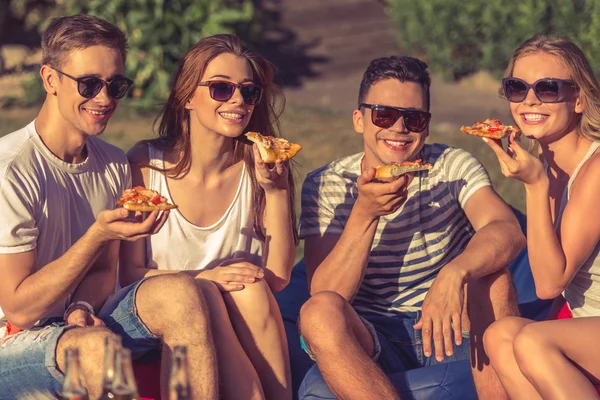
{"points": [[159, 31], [459, 37]]}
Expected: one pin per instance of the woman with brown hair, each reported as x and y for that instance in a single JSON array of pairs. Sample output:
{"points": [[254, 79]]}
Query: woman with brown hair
{"points": [[234, 229], [555, 99]]}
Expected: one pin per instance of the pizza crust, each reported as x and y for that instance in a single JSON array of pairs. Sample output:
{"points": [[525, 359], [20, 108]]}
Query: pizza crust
{"points": [[394, 170], [146, 207], [272, 149]]}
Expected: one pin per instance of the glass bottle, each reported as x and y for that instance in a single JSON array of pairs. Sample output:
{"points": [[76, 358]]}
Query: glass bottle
{"points": [[124, 386], [112, 345], [179, 387], [73, 387]]}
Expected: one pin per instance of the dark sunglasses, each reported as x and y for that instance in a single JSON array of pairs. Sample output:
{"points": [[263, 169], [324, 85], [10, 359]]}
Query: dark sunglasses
{"points": [[386, 116], [90, 86], [223, 91], [547, 90]]}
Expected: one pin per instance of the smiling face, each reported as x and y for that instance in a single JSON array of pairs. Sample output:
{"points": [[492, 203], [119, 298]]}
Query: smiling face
{"points": [[88, 117], [396, 143], [228, 118], [546, 122]]}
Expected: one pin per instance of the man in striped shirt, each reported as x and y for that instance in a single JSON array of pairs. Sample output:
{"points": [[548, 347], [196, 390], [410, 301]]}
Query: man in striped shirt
{"points": [[389, 262]]}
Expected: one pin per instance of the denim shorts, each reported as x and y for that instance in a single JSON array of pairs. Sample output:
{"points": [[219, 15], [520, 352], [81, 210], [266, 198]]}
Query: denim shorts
{"points": [[28, 368], [119, 313], [399, 346]]}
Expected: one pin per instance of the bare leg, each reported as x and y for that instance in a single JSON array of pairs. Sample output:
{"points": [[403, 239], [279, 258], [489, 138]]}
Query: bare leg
{"points": [[238, 380], [561, 358], [90, 342], [488, 299], [172, 307], [343, 348], [499, 340], [257, 321]]}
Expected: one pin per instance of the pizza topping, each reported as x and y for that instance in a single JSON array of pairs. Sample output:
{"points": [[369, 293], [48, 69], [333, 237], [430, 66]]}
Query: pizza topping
{"points": [[273, 148], [139, 197], [490, 128]]}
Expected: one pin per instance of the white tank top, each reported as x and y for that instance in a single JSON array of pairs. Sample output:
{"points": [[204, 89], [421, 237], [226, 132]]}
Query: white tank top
{"points": [[181, 245], [583, 292]]}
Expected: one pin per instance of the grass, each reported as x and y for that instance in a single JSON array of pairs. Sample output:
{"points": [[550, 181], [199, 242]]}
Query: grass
{"points": [[325, 135]]}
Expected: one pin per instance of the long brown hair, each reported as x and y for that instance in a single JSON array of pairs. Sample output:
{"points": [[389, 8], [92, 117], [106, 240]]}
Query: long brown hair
{"points": [[581, 73], [174, 119]]}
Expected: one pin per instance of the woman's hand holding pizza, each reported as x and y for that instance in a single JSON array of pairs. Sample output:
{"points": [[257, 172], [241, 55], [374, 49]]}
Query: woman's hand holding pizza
{"points": [[271, 179], [233, 275], [517, 163]]}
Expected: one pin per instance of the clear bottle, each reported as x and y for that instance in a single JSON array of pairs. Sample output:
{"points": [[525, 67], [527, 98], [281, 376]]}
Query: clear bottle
{"points": [[112, 345], [124, 386], [73, 387], [179, 387]]}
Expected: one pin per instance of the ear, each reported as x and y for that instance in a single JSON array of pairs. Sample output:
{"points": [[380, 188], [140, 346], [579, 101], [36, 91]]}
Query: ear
{"points": [[578, 105], [49, 79], [358, 118]]}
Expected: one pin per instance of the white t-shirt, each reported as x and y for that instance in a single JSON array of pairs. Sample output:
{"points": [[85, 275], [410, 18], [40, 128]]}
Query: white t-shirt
{"points": [[48, 204], [181, 245]]}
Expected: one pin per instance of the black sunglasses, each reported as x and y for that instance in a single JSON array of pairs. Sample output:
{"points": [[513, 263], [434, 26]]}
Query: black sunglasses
{"points": [[547, 90], [386, 116], [223, 91], [90, 86]]}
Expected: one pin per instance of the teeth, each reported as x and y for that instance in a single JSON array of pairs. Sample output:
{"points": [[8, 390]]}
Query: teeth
{"points": [[96, 112], [232, 115], [394, 143], [534, 117]]}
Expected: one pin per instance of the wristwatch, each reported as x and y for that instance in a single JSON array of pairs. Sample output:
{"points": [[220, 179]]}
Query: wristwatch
{"points": [[78, 304]]}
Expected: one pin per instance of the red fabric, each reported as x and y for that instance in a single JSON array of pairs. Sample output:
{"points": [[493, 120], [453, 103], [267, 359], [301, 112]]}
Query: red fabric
{"points": [[147, 377], [565, 313]]}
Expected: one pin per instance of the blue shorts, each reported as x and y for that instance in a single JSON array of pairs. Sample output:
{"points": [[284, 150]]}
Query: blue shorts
{"points": [[119, 313], [28, 362], [399, 346], [28, 366]]}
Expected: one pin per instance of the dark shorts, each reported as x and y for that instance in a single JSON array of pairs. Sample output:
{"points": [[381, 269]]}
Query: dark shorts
{"points": [[399, 346]]}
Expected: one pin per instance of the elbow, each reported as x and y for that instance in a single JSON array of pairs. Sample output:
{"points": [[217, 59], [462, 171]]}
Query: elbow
{"points": [[21, 320], [548, 293], [278, 284]]}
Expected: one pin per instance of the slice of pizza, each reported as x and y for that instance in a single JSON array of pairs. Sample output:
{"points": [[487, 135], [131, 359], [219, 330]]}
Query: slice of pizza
{"points": [[141, 199], [394, 170], [491, 128], [272, 148]]}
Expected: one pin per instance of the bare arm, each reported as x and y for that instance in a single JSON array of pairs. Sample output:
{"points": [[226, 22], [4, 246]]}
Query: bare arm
{"points": [[27, 295], [338, 263], [279, 249], [556, 258], [497, 241]]}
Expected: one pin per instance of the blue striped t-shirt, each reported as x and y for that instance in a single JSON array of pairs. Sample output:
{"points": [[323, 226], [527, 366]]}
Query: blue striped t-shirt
{"points": [[410, 245]]}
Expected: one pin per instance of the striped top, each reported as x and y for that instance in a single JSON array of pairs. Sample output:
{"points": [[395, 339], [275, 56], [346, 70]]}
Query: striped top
{"points": [[410, 245]]}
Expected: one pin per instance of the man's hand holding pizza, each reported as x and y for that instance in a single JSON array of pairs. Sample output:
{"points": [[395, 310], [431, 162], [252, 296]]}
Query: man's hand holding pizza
{"points": [[376, 199], [118, 224]]}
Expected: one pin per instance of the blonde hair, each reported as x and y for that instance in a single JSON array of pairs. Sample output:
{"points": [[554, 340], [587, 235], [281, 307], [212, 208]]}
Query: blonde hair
{"points": [[582, 75]]}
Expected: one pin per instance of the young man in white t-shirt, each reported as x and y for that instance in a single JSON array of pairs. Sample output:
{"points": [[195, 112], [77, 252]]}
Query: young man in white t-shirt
{"points": [[60, 233], [389, 262]]}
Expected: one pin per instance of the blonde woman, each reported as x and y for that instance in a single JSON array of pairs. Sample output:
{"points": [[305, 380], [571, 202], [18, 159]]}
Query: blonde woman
{"points": [[555, 99]]}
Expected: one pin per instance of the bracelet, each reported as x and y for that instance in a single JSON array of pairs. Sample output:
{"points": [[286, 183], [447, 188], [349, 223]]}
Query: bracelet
{"points": [[78, 304]]}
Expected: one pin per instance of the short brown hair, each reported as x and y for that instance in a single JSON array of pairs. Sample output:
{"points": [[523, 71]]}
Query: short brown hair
{"points": [[78, 32]]}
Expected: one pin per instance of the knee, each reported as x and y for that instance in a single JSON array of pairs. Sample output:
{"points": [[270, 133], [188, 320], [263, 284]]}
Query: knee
{"points": [[256, 301], [498, 340], [530, 348], [171, 295], [91, 344], [321, 314]]}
